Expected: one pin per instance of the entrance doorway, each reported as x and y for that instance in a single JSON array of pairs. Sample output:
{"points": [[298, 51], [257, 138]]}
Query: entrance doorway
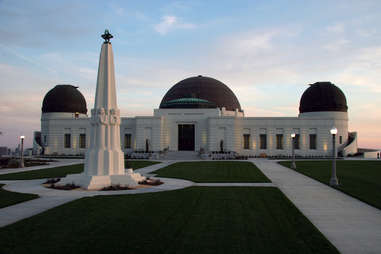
{"points": [[186, 137]]}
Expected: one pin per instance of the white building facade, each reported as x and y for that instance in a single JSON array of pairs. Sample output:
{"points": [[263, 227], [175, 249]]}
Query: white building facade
{"points": [[201, 113]]}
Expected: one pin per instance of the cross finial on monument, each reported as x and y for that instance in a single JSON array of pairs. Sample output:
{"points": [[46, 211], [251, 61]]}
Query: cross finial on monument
{"points": [[107, 36]]}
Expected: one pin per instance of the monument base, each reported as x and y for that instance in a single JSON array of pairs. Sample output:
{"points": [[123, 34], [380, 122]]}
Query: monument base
{"points": [[87, 182]]}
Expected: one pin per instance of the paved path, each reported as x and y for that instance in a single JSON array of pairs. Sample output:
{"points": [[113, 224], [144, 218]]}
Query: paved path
{"points": [[147, 170], [50, 198], [235, 184], [351, 225]]}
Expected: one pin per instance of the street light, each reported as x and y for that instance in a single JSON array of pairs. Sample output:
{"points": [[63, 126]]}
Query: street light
{"points": [[293, 165], [333, 181], [22, 152]]}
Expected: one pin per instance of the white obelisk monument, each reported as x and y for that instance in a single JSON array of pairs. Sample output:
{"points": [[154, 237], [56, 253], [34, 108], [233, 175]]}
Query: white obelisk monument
{"points": [[104, 161]]}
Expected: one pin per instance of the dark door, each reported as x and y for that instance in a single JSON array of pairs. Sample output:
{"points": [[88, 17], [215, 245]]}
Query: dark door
{"points": [[186, 137]]}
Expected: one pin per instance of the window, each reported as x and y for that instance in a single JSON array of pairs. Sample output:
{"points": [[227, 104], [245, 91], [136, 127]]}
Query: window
{"points": [[341, 139], [246, 141], [296, 141], [45, 140], [82, 140], [67, 143], [279, 141], [263, 141], [312, 141], [127, 140]]}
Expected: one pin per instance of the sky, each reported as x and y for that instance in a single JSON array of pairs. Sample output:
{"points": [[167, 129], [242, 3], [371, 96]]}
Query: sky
{"points": [[267, 52]]}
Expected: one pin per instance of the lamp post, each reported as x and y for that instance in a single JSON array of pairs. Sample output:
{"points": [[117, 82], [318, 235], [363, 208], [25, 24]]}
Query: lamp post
{"points": [[333, 181], [293, 165], [22, 152]]}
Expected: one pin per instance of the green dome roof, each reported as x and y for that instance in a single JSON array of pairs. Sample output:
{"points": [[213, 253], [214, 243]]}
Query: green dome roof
{"points": [[189, 102]]}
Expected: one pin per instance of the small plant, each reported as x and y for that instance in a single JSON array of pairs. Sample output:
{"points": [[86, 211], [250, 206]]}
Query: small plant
{"points": [[153, 182], [69, 186], [52, 180], [115, 188], [13, 163]]}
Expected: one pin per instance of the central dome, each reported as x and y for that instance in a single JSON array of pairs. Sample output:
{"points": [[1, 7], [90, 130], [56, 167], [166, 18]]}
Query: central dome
{"points": [[200, 92]]}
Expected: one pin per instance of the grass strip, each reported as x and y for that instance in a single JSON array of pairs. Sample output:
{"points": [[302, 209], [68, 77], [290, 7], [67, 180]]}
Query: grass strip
{"points": [[214, 171], [8, 198], [360, 179], [63, 171]]}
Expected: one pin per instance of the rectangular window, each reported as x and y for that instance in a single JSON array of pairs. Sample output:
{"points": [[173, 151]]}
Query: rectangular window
{"points": [[312, 141], [82, 140], [263, 141], [246, 141], [341, 139], [45, 140], [279, 141], [296, 142], [127, 140], [67, 140]]}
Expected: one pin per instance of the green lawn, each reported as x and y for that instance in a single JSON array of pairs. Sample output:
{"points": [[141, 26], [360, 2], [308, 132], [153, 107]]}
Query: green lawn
{"points": [[193, 220], [360, 179], [214, 171], [8, 198], [63, 171], [139, 164]]}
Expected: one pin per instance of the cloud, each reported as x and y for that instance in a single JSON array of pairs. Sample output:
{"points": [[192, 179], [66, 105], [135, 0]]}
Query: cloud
{"points": [[336, 28], [169, 23], [336, 45], [362, 69], [120, 11]]}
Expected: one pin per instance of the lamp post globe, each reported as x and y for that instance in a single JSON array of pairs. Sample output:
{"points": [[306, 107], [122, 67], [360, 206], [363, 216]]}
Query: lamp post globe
{"points": [[333, 181], [22, 151], [293, 135]]}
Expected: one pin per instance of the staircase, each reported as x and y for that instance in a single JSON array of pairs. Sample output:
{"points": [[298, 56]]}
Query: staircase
{"points": [[181, 155]]}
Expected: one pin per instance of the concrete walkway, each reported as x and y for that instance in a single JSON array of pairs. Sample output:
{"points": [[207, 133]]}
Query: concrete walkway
{"points": [[50, 198], [351, 225], [235, 184]]}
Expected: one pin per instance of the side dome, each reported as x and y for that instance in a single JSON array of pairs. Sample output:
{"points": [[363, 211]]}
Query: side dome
{"points": [[200, 92], [64, 98], [323, 96]]}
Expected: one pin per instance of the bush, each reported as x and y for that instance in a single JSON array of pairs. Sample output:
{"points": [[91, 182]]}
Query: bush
{"points": [[115, 188], [13, 163], [69, 186]]}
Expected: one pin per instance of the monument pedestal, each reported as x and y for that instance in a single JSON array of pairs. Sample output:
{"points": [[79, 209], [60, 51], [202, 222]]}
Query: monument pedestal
{"points": [[98, 182]]}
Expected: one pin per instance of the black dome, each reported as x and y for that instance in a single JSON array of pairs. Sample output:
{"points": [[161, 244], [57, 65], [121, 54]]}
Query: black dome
{"points": [[323, 96], [64, 98], [200, 92]]}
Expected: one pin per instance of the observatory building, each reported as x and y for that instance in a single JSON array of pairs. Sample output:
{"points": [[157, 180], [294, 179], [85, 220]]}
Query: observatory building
{"points": [[202, 113]]}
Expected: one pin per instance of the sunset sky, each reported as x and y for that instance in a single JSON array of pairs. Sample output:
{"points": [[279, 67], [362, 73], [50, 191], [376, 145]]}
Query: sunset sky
{"points": [[267, 52]]}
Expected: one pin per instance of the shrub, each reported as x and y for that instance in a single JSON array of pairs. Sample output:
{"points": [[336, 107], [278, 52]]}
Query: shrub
{"points": [[13, 163]]}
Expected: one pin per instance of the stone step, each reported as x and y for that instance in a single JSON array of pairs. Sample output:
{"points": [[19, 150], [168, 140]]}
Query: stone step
{"points": [[182, 155]]}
